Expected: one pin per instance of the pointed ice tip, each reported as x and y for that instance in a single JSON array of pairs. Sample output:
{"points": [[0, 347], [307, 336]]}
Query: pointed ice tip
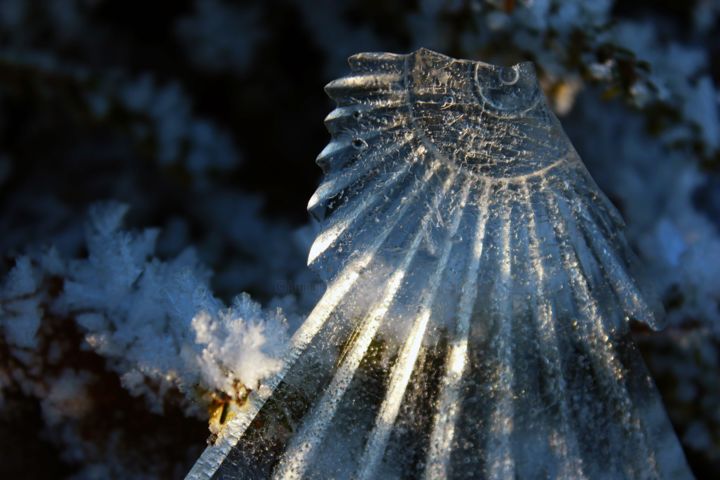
{"points": [[313, 201], [316, 208], [321, 244], [330, 149], [655, 316], [363, 84], [657, 320], [337, 113]]}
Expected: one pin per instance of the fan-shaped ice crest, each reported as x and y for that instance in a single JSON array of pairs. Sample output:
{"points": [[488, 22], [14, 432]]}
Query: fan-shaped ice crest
{"points": [[479, 287]]}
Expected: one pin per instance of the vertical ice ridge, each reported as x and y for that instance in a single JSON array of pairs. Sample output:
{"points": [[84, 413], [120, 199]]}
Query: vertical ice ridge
{"points": [[500, 463], [603, 205], [598, 210], [302, 448], [448, 406], [612, 373], [587, 261], [625, 287], [405, 363], [563, 439]]}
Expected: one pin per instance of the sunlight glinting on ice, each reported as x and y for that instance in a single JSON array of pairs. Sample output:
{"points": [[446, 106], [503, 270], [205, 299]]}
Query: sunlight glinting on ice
{"points": [[448, 407], [405, 363], [296, 458], [500, 461], [603, 352], [564, 440], [624, 286]]}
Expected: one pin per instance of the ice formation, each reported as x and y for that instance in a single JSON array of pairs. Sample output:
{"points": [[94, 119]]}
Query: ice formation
{"points": [[475, 323]]}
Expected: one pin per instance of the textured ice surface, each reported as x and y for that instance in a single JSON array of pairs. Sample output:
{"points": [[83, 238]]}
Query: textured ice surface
{"points": [[475, 323]]}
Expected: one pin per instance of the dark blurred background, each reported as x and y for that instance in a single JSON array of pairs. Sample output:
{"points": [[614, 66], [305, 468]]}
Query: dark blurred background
{"points": [[205, 116]]}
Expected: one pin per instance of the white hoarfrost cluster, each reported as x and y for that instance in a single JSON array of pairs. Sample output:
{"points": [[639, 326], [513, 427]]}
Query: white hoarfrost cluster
{"points": [[154, 322], [242, 344]]}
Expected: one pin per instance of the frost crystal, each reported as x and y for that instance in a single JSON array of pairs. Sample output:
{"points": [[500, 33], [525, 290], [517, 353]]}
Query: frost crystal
{"points": [[475, 322], [155, 322]]}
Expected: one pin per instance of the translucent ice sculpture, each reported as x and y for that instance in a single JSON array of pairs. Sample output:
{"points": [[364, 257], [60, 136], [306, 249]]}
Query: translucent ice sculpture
{"points": [[475, 323]]}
